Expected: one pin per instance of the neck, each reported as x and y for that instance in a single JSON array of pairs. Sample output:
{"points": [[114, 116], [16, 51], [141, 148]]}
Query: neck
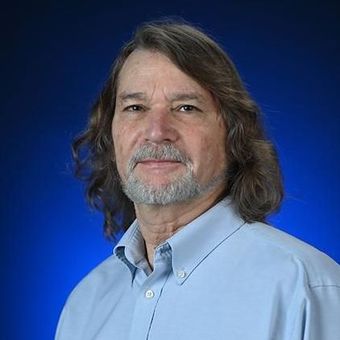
{"points": [[158, 223]]}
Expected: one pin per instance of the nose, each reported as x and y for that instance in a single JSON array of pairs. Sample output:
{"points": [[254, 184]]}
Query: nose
{"points": [[160, 127]]}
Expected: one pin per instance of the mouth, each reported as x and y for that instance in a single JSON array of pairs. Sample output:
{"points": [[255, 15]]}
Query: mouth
{"points": [[159, 163]]}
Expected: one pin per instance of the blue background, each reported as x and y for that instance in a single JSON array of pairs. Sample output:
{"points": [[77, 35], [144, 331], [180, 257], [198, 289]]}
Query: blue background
{"points": [[55, 57]]}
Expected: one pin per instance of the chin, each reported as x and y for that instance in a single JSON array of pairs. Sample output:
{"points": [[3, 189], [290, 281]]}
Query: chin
{"points": [[157, 182]]}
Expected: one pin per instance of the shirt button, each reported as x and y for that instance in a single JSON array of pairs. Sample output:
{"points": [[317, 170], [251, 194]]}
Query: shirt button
{"points": [[149, 294], [181, 274]]}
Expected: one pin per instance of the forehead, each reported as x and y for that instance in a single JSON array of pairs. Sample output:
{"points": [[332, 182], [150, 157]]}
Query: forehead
{"points": [[146, 69]]}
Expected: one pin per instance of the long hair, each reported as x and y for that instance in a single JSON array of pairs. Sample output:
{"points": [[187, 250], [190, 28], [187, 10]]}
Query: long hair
{"points": [[254, 179]]}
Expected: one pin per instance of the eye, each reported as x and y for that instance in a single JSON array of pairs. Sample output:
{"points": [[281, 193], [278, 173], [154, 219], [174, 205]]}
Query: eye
{"points": [[187, 108], [134, 108]]}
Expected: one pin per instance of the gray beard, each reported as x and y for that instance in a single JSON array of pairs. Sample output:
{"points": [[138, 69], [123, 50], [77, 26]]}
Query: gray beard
{"points": [[184, 188]]}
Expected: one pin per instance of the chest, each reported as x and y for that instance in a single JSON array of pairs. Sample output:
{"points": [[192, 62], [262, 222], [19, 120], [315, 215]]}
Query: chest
{"points": [[209, 304]]}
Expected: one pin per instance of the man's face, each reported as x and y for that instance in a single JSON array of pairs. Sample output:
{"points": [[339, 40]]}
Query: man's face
{"points": [[168, 135]]}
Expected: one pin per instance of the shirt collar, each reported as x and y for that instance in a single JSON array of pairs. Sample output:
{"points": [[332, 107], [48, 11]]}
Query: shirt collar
{"points": [[190, 246], [193, 243], [131, 248]]}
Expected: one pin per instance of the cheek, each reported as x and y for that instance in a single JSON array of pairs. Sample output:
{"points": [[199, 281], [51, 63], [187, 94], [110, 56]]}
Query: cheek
{"points": [[117, 137], [211, 152], [124, 139]]}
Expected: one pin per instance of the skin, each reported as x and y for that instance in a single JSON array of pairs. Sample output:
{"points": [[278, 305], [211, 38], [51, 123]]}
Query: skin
{"points": [[158, 103]]}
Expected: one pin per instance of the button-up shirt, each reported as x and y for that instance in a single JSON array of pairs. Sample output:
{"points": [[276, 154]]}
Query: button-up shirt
{"points": [[217, 278]]}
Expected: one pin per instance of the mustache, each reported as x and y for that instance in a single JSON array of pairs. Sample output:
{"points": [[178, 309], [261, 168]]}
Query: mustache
{"points": [[159, 152]]}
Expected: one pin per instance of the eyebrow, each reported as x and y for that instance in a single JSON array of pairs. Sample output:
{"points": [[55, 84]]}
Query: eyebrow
{"points": [[125, 96], [186, 96]]}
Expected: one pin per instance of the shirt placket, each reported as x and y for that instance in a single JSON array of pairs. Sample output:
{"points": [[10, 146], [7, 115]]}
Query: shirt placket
{"points": [[148, 294]]}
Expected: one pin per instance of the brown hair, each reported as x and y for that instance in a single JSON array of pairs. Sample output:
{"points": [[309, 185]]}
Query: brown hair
{"points": [[253, 180]]}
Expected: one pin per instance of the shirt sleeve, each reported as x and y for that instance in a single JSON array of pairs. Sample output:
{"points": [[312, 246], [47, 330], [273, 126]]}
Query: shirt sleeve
{"points": [[319, 317]]}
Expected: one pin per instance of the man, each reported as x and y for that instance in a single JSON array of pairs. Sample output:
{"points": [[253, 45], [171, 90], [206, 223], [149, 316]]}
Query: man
{"points": [[176, 142]]}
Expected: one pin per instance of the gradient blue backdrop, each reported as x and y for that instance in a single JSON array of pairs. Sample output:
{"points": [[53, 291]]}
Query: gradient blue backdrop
{"points": [[54, 59]]}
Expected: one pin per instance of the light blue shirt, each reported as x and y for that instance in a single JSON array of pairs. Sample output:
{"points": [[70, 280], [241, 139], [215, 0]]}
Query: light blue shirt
{"points": [[217, 278]]}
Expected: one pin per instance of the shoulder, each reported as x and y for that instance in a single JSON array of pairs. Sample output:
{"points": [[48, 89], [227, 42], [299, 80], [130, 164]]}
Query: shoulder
{"points": [[104, 278], [104, 283], [282, 248]]}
